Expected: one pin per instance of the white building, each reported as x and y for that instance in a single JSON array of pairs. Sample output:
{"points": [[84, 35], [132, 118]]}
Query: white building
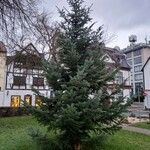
{"points": [[3, 54], [137, 54], [21, 73], [116, 58], [146, 76]]}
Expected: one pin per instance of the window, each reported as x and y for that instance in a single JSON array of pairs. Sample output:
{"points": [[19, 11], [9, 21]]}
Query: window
{"points": [[137, 52], [129, 62], [129, 55], [38, 81], [138, 68], [137, 60], [19, 80], [138, 88], [28, 99], [15, 101], [131, 77], [138, 77], [38, 101]]}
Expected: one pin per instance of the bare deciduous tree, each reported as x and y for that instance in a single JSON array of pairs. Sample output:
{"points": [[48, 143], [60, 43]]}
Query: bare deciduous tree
{"points": [[15, 19], [21, 23], [14, 12], [47, 35]]}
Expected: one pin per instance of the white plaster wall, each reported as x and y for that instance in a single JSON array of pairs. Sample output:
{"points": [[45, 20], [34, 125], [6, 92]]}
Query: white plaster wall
{"points": [[147, 100], [2, 71], [22, 93], [127, 76], [126, 93], [147, 85], [1, 98], [147, 76], [145, 54]]}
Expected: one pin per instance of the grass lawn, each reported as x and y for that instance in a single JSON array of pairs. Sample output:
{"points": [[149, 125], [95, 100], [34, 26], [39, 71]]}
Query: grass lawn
{"points": [[14, 133], [14, 136], [125, 140], [145, 125]]}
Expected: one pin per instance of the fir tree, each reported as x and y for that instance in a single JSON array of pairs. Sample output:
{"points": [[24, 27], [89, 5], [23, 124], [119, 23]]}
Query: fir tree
{"points": [[81, 102]]}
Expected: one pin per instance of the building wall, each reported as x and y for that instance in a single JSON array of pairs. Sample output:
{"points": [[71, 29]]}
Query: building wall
{"points": [[126, 93], [2, 71], [146, 73], [1, 98], [136, 73], [145, 55], [21, 91], [147, 100], [9, 93], [126, 76], [147, 76]]}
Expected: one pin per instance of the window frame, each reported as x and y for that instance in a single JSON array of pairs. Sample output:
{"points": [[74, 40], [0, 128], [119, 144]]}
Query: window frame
{"points": [[36, 83], [18, 82], [30, 102], [138, 60], [137, 53], [18, 103]]}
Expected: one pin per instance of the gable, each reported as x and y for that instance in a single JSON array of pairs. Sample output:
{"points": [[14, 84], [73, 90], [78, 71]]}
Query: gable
{"points": [[30, 49], [28, 57]]}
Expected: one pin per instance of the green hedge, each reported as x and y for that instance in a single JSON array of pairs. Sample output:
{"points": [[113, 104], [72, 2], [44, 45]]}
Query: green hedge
{"points": [[10, 111]]}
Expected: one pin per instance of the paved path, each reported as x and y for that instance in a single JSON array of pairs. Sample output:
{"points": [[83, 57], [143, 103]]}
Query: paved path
{"points": [[138, 130]]}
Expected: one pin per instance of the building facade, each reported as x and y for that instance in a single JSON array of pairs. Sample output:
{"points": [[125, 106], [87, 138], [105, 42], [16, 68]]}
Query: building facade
{"points": [[3, 54], [117, 59], [3, 57], [136, 54], [146, 79], [22, 72]]}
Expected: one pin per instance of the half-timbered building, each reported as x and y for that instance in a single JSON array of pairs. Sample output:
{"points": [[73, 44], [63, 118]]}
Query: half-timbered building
{"points": [[24, 73], [117, 59]]}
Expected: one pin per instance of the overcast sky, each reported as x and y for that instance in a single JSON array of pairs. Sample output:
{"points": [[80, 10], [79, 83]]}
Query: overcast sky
{"points": [[120, 18]]}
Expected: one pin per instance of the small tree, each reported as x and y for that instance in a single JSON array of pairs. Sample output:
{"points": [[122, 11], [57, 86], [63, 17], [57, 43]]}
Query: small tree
{"points": [[80, 82]]}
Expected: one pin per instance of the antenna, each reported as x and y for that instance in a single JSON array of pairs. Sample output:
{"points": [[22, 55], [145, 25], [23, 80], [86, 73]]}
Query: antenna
{"points": [[146, 41]]}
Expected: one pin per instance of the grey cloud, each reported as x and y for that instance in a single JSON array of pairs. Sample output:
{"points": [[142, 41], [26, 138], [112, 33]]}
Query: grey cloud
{"points": [[118, 14], [123, 14], [120, 17]]}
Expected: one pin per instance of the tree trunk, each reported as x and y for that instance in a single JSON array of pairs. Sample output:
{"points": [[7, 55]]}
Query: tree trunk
{"points": [[77, 146]]}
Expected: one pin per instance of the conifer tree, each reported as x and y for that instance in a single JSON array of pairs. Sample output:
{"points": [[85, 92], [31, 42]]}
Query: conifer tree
{"points": [[80, 79]]}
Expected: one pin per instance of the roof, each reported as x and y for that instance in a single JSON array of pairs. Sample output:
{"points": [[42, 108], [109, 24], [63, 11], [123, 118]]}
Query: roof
{"points": [[145, 64], [2, 48], [118, 57], [29, 53], [135, 47]]}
